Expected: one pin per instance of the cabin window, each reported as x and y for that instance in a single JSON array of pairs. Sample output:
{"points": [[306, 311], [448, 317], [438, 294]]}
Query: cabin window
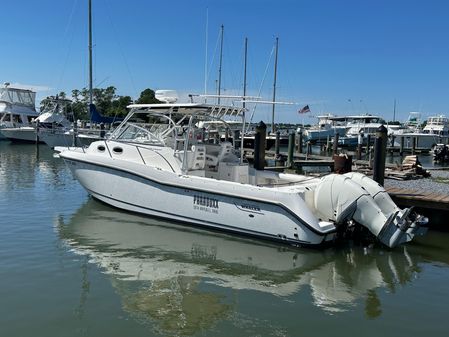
{"points": [[101, 148], [117, 150]]}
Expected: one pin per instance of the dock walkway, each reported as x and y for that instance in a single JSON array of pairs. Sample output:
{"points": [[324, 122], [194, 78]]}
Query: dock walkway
{"points": [[425, 199]]}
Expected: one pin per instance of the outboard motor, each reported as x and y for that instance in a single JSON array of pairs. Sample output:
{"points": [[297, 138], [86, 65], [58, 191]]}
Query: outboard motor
{"points": [[441, 152], [356, 197]]}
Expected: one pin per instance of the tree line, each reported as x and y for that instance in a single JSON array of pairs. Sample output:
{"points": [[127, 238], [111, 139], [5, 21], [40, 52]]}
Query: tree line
{"points": [[106, 100]]}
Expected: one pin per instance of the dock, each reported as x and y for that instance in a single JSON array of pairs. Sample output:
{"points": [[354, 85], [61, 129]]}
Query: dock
{"points": [[299, 159], [422, 199], [433, 205]]}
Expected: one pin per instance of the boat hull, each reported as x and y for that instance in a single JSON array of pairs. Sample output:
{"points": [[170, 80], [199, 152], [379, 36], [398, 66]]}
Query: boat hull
{"points": [[21, 135], [239, 214], [54, 139], [422, 140]]}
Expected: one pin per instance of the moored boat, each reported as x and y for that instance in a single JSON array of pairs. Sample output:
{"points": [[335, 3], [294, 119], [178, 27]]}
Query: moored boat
{"points": [[158, 162], [52, 118], [17, 107], [436, 131]]}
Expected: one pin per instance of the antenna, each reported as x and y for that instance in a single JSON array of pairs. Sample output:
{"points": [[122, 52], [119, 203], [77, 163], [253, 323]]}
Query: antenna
{"points": [[244, 72], [205, 60], [274, 84], [221, 61], [394, 110]]}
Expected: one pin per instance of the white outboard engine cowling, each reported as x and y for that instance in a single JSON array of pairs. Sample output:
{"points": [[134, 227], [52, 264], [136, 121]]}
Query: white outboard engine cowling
{"points": [[354, 196]]}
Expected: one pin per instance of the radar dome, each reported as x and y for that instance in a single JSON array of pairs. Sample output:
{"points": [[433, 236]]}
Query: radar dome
{"points": [[167, 96]]}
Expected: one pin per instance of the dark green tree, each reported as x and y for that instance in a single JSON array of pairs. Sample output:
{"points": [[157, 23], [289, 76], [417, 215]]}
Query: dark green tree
{"points": [[119, 105], [147, 96], [46, 100], [106, 100], [79, 105]]}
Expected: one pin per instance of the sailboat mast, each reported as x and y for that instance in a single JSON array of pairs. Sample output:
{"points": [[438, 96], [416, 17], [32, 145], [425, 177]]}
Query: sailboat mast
{"points": [[205, 59], [244, 72], [274, 84], [394, 111], [221, 60], [90, 53]]}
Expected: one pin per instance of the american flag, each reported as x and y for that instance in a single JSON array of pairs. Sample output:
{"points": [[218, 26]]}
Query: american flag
{"points": [[304, 109]]}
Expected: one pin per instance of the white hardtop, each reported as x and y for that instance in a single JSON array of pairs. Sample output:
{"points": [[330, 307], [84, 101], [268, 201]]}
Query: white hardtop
{"points": [[367, 118], [18, 96], [437, 120], [188, 108]]}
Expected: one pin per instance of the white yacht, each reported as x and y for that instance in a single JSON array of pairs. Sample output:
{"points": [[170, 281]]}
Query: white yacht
{"points": [[361, 125], [67, 137], [435, 132], [327, 127], [413, 122], [17, 107], [159, 163], [52, 118], [367, 124], [81, 134]]}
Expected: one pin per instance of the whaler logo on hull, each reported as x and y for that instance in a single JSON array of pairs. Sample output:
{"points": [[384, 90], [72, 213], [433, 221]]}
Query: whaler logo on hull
{"points": [[205, 204], [249, 207]]}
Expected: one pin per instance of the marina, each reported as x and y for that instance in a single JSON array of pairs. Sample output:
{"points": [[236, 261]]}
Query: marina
{"points": [[83, 273], [222, 203], [165, 157]]}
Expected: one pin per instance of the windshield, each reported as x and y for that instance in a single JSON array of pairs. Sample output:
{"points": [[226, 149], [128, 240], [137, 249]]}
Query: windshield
{"points": [[170, 129], [18, 96]]}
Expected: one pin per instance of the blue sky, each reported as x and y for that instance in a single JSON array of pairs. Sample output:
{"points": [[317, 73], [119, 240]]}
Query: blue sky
{"points": [[342, 57]]}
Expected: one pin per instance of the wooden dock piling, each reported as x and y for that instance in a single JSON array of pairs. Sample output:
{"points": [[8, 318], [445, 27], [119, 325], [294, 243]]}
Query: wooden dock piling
{"points": [[75, 132], [299, 140], [277, 144], [259, 146], [380, 149], [37, 132], [335, 147], [401, 147], [291, 144]]}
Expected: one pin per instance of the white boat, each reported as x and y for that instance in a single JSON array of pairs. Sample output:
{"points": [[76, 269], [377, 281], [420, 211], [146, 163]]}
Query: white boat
{"points": [[366, 124], [159, 163], [52, 118], [435, 132], [437, 125], [327, 127], [65, 137], [413, 122], [17, 107], [360, 125]]}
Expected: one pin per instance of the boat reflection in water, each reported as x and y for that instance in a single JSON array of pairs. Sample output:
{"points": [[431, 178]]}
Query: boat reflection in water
{"points": [[169, 274], [21, 165]]}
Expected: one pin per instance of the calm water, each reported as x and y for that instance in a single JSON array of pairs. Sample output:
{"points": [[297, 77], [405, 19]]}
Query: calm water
{"points": [[71, 266]]}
